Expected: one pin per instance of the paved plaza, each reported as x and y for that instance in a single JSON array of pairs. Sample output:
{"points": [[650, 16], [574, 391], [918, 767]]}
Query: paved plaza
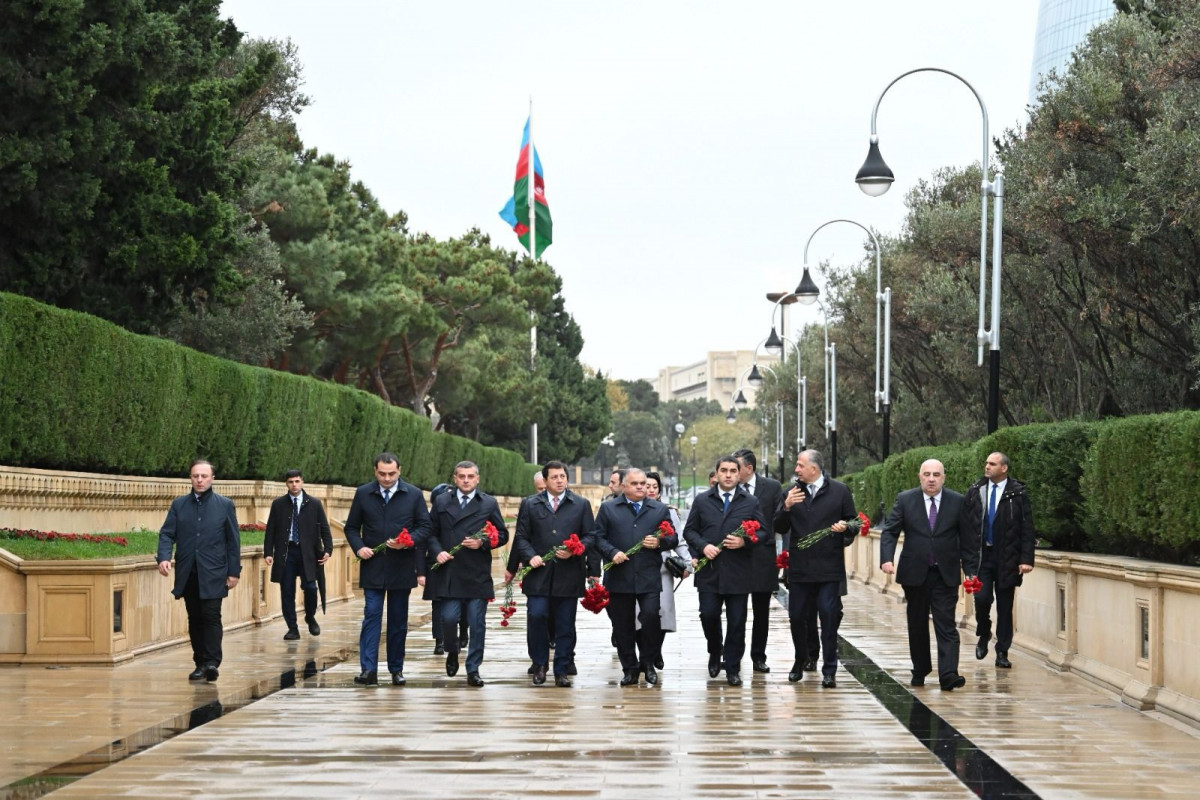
{"points": [[285, 720]]}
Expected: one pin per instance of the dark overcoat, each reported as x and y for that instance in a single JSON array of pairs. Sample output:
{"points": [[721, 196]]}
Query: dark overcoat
{"points": [[204, 535], [617, 530], [824, 561], [371, 522], [1013, 537], [953, 543], [768, 492], [733, 571], [469, 574], [539, 528], [315, 537]]}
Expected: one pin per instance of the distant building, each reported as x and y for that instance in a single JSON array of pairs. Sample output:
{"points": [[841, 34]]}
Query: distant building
{"points": [[716, 377], [1062, 26]]}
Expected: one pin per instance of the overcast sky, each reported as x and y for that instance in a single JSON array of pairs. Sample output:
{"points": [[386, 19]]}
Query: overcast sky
{"points": [[689, 148]]}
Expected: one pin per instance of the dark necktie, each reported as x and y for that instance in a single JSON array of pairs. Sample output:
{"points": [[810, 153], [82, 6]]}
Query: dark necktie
{"points": [[991, 514], [726, 509], [932, 525], [463, 504], [636, 508], [386, 494], [295, 537]]}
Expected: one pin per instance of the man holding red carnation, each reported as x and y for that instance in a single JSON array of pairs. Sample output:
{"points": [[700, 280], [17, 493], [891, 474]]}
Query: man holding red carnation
{"points": [[725, 526]]}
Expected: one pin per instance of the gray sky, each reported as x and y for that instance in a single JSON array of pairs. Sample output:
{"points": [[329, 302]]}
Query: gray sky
{"points": [[689, 148]]}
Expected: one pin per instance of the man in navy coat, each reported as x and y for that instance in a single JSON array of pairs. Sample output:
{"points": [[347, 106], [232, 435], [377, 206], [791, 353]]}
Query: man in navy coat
{"points": [[465, 578], [634, 582], [380, 510], [202, 528]]}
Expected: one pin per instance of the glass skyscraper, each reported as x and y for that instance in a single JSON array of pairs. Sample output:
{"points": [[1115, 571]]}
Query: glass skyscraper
{"points": [[1061, 27]]}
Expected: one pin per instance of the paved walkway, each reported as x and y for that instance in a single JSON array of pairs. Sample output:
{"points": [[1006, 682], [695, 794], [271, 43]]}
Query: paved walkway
{"points": [[690, 737]]}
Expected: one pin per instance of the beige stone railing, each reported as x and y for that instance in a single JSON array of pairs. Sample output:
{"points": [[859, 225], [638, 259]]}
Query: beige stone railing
{"points": [[1125, 624]]}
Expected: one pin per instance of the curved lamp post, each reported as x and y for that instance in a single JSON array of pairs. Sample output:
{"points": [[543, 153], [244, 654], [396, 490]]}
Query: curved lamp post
{"points": [[755, 379], [807, 291], [875, 178]]}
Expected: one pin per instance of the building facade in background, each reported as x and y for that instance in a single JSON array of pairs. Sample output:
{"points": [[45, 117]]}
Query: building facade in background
{"points": [[716, 377], [1062, 26]]}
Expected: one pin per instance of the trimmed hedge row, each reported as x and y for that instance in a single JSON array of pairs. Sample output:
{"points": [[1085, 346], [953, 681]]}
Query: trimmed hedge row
{"points": [[1126, 486], [77, 392]]}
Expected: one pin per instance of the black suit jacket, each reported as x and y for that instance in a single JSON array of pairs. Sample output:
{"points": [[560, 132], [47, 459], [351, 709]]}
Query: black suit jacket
{"points": [[370, 523], [824, 561], [733, 571], [469, 573], [315, 537], [769, 494], [953, 543], [617, 530], [539, 528]]}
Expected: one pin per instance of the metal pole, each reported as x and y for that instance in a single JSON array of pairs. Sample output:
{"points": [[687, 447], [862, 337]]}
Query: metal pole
{"points": [[994, 367]]}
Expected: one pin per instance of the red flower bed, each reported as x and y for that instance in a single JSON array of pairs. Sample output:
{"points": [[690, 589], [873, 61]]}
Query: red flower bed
{"points": [[53, 536]]}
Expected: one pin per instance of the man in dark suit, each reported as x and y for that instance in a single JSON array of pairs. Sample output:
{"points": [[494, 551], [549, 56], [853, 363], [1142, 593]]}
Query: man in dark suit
{"points": [[465, 578], [380, 510], [424, 564], [938, 542], [768, 492], [553, 588], [297, 543], [817, 573], [729, 577], [1000, 513], [202, 529], [634, 582]]}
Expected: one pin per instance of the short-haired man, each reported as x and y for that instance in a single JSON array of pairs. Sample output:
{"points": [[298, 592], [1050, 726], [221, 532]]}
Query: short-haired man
{"points": [[816, 574], [634, 581], [544, 521], [938, 542], [616, 484], [465, 578], [297, 543], [424, 565], [768, 492], [999, 511], [729, 577], [379, 511], [202, 529]]}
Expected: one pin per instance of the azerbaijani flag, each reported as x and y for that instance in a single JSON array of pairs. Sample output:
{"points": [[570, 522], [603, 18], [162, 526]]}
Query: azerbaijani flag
{"points": [[516, 211]]}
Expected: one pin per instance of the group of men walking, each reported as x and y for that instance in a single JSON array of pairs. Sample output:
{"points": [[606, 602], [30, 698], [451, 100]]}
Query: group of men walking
{"points": [[730, 534]]}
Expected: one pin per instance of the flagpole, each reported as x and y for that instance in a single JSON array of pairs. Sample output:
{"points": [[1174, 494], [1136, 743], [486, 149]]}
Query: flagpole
{"points": [[530, 195]]}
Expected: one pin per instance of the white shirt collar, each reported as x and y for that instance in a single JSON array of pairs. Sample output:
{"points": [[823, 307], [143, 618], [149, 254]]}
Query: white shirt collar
{"points": [[750, 483]]}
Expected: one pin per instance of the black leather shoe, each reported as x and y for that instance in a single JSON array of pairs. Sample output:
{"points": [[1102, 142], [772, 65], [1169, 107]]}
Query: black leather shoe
{"points": [[452, 664], [367, 679], [810, 665], [571, 668], [462, 641], [797, 672], [733, 678], [714, 665], [651, 676], [291, 635], [438, 650], [539, 675], [956, 682], [630, 678], [210, 672], [829, 682], [196, 675], [398, 679], [1002, 661], [917, 680], [563, 681], [761, 666], [473, 679], [313, 628], [658, 662], [981, 650], [532, 668]]}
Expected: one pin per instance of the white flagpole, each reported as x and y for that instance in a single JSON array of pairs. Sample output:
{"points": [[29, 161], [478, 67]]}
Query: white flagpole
{"points": [[533, 426]]}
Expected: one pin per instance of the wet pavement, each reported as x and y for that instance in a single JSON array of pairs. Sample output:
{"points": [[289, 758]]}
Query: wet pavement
{"points": [[1022, 733]]}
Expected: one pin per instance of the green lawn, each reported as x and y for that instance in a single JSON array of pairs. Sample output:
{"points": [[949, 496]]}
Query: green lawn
{"points": [[140, 543]]}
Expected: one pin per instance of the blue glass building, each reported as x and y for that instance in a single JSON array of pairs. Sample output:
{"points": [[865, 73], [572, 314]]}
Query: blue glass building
{"points": [[1062, 26]]}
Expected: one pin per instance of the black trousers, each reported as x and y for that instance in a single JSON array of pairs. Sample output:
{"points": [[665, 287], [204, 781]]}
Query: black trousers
{"points": [[204, 623], [761, 603], [808, 602], [935, 598], [734, 645], [293, 570], [436, 627], [988, 576], [637, 648]]}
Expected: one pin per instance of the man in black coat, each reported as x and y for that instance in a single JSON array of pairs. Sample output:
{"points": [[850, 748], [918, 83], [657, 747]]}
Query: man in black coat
{"points": [[465, 578], [999, 512], [729, 576], [297, 543], [544, 521], [202, 529], [424, 565], [938, 542], [634, 582], [769, 493], [817, 573], [380, 510]]}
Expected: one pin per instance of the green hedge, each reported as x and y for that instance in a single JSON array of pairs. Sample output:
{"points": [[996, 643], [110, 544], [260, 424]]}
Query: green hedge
{"points": [[80, 393], [1125, 486]]}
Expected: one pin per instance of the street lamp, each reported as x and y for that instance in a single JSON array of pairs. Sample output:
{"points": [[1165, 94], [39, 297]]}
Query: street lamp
{"points": [[883, 329], [694, 440], [875, 178], [679, 429], [801, 393]]}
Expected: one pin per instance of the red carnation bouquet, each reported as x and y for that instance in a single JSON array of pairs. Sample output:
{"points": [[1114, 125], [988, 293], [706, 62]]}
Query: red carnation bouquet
{"points": [[489, 532], [402, 538], [509, 606], [782, 560], [747, 530], [664, 529], [857, 525], [596, 597], [973, 585]]}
